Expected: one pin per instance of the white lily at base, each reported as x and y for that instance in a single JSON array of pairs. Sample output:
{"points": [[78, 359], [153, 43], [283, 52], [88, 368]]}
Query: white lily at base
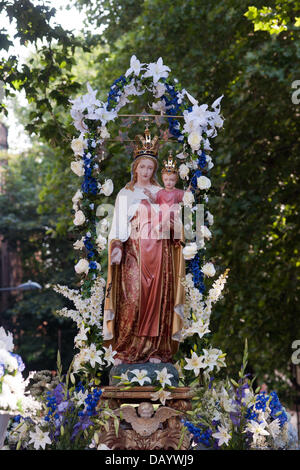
{"points": [[161, 395], [222, 435], [140, 376], [195, 363], [256, 430], [109, 355], [163, 377], [39, 438]]}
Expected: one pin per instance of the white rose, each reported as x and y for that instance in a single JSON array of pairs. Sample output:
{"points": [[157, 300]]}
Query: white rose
{"points": [[160, 90], [203, 182], [184, 171], [210, 218], [188, 198], [194, 139], [159, 106], [101, 242], [78, 146], [189, 251], [77, 196], [82, 266], [79, 218], [208, 269], [104, 132], [77, 167], [205, 232], [78, 245], [107, 188]]}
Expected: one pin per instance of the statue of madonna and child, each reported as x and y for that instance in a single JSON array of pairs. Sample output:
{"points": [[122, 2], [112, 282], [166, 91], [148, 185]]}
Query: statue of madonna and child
{"points": [[144, 299]]}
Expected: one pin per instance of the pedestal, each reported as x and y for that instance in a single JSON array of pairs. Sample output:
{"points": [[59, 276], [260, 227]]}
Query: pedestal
{"points": [[144, 426]]}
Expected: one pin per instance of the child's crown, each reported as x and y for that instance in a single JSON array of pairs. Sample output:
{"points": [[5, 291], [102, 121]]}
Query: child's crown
{"points": [[170, 165]]}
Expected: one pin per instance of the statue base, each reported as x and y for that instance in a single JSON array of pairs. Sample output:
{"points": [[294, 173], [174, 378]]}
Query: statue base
{"points": [[144, 423], [150, 367]]}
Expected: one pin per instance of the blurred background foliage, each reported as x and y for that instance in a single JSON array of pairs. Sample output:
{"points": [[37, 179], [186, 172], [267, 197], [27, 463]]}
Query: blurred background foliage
{"points": [[248, 52]]}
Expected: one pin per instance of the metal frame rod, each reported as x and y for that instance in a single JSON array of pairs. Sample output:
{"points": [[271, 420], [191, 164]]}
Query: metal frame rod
{"points": [[153, 116]]}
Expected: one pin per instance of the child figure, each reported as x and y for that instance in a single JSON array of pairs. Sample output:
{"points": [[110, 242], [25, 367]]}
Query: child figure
{"points": [[168, 224]]}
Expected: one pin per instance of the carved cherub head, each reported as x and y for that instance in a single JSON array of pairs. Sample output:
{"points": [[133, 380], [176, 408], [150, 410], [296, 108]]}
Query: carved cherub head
{"points": [[145, 410]]}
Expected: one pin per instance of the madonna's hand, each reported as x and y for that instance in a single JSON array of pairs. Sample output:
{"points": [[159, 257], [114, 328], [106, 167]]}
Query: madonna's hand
{"points": [[116, 255]]}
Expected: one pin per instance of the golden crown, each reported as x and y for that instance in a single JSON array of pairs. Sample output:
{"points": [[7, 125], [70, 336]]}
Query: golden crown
{"points": [[170, 165], [145, 146]]}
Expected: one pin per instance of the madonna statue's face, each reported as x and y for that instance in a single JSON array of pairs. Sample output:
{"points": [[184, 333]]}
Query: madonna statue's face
{"points": [[145, 170]]}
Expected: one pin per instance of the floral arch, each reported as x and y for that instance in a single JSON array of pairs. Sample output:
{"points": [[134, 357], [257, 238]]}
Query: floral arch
{"points": [[190, 124]]}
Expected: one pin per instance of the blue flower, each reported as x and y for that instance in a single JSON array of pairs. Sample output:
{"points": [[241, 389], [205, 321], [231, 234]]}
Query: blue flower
{"points": [[202, 160], [198, 276], [93, 265], [261, 401], [196, 174], [79, 387], [201, 435], [277, 410]]}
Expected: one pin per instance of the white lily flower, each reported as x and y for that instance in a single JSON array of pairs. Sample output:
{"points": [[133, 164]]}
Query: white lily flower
{"points": [[140, 376], [161, 395], [157, 70], [199, 327], [39, 438], [163, 376], [191, 98], [256, 430], [6, 340], [217, 102], [135, 66], [107, 187], [102, 114], [109, 355], [195, 363], [93, 356], [222, 435], [274, 428], [213, 358]]}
